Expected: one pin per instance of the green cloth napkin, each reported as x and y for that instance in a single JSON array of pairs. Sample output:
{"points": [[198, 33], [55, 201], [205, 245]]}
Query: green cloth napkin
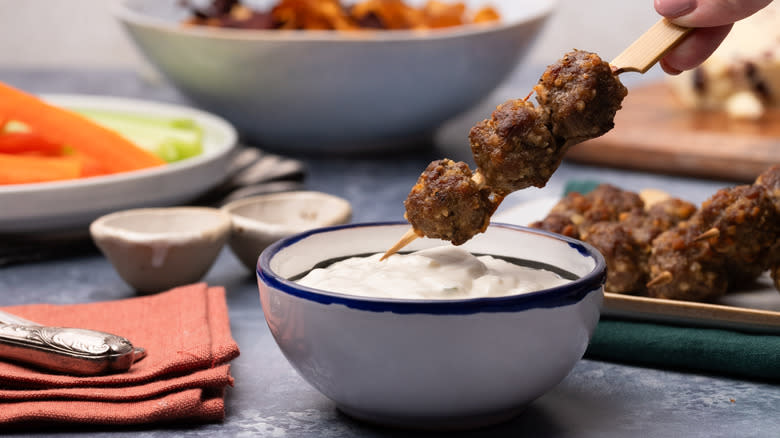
{"points": [[719, 351], [711, 350]]}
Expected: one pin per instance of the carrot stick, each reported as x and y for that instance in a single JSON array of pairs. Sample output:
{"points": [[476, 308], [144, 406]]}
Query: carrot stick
{"points": [[19, 142], [23, 169], [114, 152], [89, 165]]}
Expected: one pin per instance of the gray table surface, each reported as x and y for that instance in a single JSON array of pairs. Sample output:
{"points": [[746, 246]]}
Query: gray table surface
{"points": [[597, 399]]}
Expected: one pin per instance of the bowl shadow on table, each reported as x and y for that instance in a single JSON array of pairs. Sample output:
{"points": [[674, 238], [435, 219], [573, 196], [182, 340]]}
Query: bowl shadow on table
{"points": [[535, 420], [543, 417]]}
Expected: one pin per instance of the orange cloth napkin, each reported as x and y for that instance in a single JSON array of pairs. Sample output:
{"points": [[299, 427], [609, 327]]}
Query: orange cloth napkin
{"points": [[186, 333]]}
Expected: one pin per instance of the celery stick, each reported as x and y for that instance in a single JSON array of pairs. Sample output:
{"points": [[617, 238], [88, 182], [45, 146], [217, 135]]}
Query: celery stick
{"points": [[172, 139]]}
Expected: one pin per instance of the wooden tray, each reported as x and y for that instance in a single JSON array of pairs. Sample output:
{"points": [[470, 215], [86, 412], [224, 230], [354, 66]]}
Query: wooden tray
{"points": [[747, 311], [654, 132]]}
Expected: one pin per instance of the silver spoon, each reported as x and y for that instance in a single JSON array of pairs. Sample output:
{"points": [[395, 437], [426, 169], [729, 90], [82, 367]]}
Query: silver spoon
{"points": [[63, 349]]}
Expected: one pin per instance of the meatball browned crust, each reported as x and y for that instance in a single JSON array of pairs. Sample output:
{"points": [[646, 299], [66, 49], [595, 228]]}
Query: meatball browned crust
{"points": [[745, 220], [770, 180], [646, 225], [690, 268], [576, 212], [515, 149], [581, 94], [625, 271], [446, 203]]}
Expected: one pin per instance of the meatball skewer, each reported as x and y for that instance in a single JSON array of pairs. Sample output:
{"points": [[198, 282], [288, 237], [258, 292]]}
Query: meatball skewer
{"points": [[522, 145]]}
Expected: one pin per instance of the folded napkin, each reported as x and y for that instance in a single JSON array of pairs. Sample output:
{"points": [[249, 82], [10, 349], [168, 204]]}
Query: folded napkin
{"points": [[186, 333], [719, 351], [704, 349]]}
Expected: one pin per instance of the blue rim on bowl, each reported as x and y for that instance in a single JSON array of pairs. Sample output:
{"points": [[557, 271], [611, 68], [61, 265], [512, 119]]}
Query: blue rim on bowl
{"points": [[547, 298]]}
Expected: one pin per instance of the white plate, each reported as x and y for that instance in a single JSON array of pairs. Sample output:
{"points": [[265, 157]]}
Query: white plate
{"points": [[72, 205], [753, 308]]}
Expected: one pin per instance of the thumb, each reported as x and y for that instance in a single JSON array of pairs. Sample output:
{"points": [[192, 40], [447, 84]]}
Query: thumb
{"points": [[708, 13]]}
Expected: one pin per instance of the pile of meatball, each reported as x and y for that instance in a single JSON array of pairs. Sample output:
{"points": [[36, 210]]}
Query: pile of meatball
{"points": [[672, 249]]}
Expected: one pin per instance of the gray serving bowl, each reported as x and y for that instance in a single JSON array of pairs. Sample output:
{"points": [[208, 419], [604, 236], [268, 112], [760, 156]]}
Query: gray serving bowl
{"points": [[326, 91]]}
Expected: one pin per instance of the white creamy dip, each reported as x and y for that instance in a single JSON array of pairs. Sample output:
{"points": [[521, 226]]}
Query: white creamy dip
{"points": [[445, 272]]}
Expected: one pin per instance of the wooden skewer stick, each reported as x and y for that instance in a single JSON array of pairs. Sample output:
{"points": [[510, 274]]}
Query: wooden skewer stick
{"points": [[650, 47], [661, 279], [712, 232], [406, 239], [411, 235]]}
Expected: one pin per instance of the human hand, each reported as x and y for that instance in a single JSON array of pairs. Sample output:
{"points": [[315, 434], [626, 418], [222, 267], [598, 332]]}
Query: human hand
{"points": [[712, 20]]}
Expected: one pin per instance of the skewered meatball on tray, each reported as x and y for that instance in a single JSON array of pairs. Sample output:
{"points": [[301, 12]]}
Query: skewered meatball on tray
{"points": [[715, 264], [672, 249]]}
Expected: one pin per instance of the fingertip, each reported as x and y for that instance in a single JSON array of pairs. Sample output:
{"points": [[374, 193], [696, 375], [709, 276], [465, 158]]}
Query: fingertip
{"points": [[713, 13], [694, 49], [668, 69], [674, 8]]}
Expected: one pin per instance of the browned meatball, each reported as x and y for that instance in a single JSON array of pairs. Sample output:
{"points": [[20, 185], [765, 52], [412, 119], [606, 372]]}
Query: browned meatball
{"points": [[609, 202], [581, 95], [575, 212], [566, 216], [693, 270], [646, 225], [447, 204], [625, 272], [770, 179], [559, 223], [747, 225], [514, 149], [672, 211]]}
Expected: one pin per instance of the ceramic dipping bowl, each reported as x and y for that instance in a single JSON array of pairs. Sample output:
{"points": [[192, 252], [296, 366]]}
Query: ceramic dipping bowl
{"points": [[261, 220], [154, 249], [432, 364]]}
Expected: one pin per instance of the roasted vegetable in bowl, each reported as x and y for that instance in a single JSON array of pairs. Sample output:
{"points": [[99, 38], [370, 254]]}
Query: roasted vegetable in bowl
{"points": [[336, 15]]}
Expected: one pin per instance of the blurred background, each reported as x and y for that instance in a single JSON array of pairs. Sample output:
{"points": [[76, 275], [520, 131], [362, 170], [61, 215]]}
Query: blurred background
{"points": [[82, 33]]}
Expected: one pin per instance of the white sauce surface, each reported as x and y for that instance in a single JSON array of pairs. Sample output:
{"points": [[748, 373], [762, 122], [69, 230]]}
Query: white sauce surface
{"points": [[445, 272]]}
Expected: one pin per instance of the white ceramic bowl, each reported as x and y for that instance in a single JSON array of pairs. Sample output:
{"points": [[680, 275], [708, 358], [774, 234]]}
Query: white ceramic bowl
{"points": [[434, 363], [327, 91], [259, 221], [154, 249]]}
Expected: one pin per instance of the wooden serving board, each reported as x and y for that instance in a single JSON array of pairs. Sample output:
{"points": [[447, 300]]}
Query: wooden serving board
{"points": [[654, 132]]}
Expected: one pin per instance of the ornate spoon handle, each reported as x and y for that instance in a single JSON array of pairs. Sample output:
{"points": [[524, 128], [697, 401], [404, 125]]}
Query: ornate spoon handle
{"points": [[66, 350]]}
